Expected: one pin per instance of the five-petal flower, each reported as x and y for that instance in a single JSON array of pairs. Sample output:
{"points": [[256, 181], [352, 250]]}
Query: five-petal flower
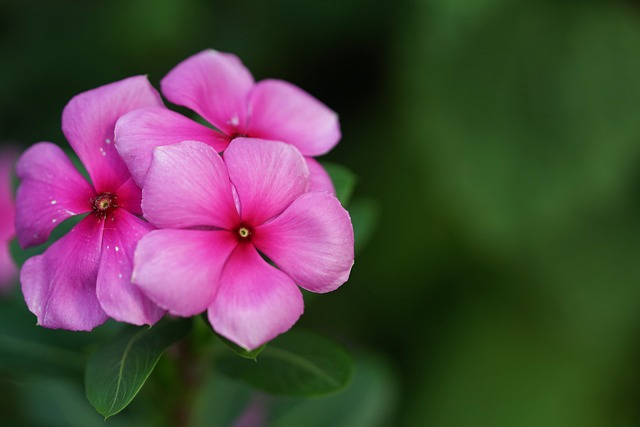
{"points": [[84, 277], [221, 89], [218, 219]]}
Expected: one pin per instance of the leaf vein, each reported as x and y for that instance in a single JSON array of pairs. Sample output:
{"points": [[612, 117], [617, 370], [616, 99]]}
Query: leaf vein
{"points": [[305, 364], [122, 361]]}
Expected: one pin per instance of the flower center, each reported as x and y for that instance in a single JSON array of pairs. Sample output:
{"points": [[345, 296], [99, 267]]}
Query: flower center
{"points": [[104, 204], [235, 135], [243, 233]]}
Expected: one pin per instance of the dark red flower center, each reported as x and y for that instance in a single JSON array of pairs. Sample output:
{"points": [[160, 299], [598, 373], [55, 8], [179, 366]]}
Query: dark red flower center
{"points": [[104, 204], [243, 233]]}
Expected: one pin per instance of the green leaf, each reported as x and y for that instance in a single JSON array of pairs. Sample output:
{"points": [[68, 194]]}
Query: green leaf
{"points": [[365, 215], [48, 402], [343, 180], [253, 354], [219, 402], [27, 349], [370, 401], [294, 364], [247, 354], [117, 371]]}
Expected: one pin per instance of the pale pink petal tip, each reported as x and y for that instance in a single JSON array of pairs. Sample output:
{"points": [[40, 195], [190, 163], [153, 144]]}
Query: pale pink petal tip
{"points": [[312, 241], [282, 111], [256, 302]]}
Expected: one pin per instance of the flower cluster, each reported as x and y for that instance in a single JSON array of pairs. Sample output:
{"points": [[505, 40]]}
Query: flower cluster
{"points": [[182, 217]]}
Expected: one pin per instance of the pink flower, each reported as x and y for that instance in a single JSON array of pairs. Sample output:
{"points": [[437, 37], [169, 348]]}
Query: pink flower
{"points": [[216, 218], [84, 277], [8, 269], [220, 89]]}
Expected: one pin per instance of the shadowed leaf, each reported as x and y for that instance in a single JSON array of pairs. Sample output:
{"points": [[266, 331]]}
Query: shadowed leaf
{"points": [[294, 364], [117, 371]]}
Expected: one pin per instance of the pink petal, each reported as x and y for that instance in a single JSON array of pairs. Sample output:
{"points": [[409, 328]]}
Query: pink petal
{"points": [[130, 197], [119, 298], [8, 270], [138, 132], [7, 204], [88, 122], [213, 84], [255, 302], [312, 241], [268, 176], [320, 179], [284, 112], [51, 191], [188, 186], [180, 269], [59, 286]]}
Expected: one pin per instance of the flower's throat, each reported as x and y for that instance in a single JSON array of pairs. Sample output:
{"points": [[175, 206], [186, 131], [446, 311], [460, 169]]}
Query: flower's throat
{"points": [[104, 204], [235, 135], [243, 233]]}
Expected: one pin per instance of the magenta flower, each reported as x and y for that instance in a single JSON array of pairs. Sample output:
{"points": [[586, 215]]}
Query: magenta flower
{"points": [[84, 278], [8, 269], [222, 90], [216, 218]]}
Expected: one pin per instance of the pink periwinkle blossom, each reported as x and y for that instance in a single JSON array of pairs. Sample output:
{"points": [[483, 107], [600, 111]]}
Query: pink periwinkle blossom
{"points": [[8, 269], [217, 219], [84, 277], [221, 89]]}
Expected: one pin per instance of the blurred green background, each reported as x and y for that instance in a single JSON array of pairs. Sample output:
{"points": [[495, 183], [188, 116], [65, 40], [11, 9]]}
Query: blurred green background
{"points": [[501, 142]]}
